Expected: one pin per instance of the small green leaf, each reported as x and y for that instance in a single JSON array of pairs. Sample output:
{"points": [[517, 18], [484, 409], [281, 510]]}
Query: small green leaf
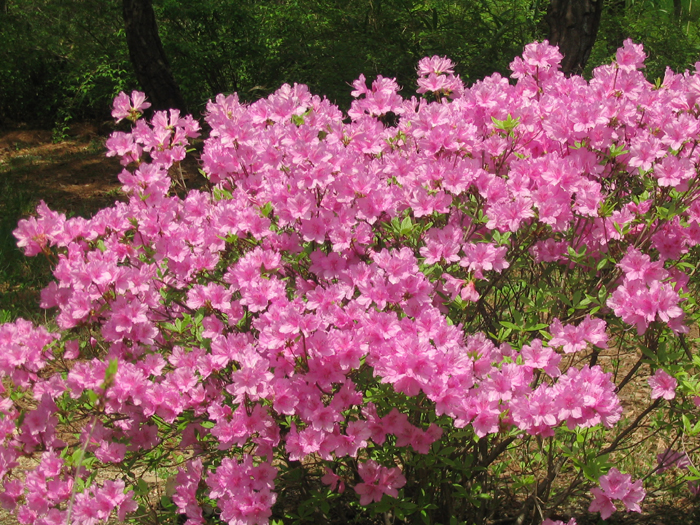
{"points": [[111, 371], [266, 210], [142, 488]]}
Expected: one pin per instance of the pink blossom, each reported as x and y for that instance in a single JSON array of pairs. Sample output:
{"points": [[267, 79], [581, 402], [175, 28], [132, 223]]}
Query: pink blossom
{"points": [[377, 481], [129, 108], [616, 486], [670, 458], [541, 55], [631, 56], [694, 488], [662, 385], [601, 503], [333, 480], [573, 339], [437, 65]]}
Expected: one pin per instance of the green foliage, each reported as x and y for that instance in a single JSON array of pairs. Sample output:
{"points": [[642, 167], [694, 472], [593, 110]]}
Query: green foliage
{"points": [[20, 277], [65, 59], [61, 60], [671, 38]]}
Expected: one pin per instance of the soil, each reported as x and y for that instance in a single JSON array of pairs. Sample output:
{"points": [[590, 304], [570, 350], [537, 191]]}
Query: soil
{"points": [[73, 175]]}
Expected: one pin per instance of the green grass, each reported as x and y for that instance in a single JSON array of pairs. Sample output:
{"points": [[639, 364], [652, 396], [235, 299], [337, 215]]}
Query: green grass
{"points": [[21, 278]]}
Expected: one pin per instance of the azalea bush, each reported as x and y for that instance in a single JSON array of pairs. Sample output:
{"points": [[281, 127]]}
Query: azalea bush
{"points": [[446, 309]]}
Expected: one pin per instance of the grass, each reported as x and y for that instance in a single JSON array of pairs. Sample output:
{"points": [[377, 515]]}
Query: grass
{"points": [[21, 278], [32, 169]]}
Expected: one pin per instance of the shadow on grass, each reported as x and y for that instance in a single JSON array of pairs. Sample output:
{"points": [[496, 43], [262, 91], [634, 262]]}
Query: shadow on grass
{"points": [[21, 278], [73, 177]]}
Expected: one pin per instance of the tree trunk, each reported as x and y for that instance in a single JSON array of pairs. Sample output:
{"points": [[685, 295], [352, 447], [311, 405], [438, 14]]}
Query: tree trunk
{"points": [[677, 10], [573, 26], [148, 57]]}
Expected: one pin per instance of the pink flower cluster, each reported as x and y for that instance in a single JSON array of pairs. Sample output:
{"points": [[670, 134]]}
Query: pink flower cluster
{"points": [[323, 263], [436, 75], [243, 490], [671, 458], [377, 481], [646, 293], [662, 385], [35, 500], [616, 486]]}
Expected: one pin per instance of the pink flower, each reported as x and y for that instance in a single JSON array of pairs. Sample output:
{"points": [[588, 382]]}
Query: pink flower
{"points": [[670, 458], [333, 480], [437, 65], [131, 109], [377, 481], [694, 488], [662, 385], [573, 339], [542, 55], [630, 56], [616, 485], [601, 503], [634, 497]]}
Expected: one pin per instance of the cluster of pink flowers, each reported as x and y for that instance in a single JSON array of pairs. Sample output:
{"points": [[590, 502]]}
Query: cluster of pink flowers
{"points": [[646, 294], [671, 458], [243, 491], [256, 315], [36, 499], [662, 385], [616, 486], [436, 75], [377, 481]]}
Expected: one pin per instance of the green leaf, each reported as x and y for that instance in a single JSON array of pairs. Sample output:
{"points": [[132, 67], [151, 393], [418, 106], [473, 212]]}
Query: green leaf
{"points": [[616, 151], [506, 324], [507, 125], [536, 327], [406, 226], [266, 210], [92, 396], [142, 488], [111, 371]]}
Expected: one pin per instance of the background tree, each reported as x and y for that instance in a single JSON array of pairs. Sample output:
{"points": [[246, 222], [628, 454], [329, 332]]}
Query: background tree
{"points": [[669, 41], [63, 60], [148, 57], [573, 26]]}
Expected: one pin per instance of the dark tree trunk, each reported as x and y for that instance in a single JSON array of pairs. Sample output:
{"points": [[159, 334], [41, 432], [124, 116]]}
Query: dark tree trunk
{"points": [[573, 26], [148, 57], [677, 9]]}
